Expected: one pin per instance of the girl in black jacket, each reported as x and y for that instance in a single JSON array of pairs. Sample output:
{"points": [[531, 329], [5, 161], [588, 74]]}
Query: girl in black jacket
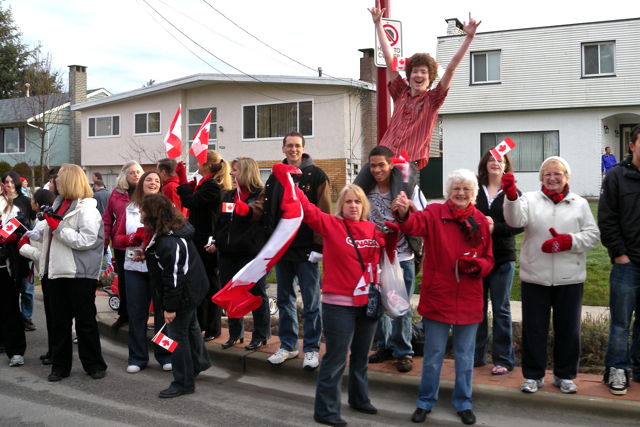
{"points": [[238, 241], [203, 201], [177, 271]]}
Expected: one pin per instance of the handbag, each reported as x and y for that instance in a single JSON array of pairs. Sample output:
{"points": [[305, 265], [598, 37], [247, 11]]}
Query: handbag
{"points": [[374, 302]]}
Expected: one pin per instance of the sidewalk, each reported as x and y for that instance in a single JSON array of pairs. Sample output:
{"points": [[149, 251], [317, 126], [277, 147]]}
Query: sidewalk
{"points": [[593, 397]]}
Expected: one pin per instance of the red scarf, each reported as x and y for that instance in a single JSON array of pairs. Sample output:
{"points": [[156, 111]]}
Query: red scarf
{"points": [[556, 197], [469, 226], [204, 179]]}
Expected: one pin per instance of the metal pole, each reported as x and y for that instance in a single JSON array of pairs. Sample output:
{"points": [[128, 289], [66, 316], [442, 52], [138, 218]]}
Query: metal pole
{"points": [[383, 99]]}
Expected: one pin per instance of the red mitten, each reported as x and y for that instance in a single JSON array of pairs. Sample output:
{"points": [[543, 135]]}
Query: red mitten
{"points": [[193, 184], [241, 208], [509, 186], [559, 243], [140, 233], [391, 240], [182, 173], [6, 240], [133, 240], [53, 223], [23, 241], [469, 265]]}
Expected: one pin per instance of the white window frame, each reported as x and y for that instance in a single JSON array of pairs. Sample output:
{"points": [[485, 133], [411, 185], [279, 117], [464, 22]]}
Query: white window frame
{"points": [[473, 71], [599, 74], [297, 101], [543, 133], [147, 114], [213, 142], [21, 132], [105, 136]]}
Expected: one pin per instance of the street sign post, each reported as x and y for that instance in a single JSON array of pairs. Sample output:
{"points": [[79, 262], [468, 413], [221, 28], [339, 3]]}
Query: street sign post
{"points": [[393, 29]]}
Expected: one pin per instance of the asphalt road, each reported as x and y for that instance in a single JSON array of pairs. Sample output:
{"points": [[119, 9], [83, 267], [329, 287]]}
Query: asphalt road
{"points": [[222, 398]]}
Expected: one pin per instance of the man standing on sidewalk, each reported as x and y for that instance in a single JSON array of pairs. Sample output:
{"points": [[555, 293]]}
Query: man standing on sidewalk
{"points": [[619, 222], [381, 183], [301, 258], [608, 161]]}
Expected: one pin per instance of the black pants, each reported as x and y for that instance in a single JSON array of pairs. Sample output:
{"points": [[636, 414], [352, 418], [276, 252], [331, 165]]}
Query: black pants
{"points": [[15, 342], [71, 298], [44, 283], [122, 288], [209, 314], [229, 266], [537, 301]]}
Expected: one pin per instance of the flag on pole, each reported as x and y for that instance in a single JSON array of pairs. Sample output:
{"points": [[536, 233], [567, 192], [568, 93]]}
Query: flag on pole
{"points": [[108, 271], [173, 140], [402, 163], [503, 148], [165, 342], [235, 297], [200, 143], [8, 229]]}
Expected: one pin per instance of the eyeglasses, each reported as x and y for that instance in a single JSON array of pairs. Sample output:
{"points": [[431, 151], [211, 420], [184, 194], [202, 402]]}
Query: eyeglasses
{"points": [[556, 175], [492, 160]]}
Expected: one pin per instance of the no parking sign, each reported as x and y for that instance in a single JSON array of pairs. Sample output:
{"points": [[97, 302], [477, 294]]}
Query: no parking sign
{"points": [[393, 29]]}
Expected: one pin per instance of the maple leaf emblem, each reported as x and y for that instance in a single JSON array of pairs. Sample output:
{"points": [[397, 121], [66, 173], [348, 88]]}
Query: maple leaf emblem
{"points": [[401, 61], [165, 343], [502, 148]]}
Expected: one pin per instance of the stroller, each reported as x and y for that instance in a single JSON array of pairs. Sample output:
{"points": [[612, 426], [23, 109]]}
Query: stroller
{"points": [[112, 291]]}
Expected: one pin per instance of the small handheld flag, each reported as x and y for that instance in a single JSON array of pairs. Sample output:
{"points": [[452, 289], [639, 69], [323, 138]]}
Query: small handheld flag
{"points": [[173, 140], [8, 229], [399, 64], [164, 341], [501, 149], [200, 143], [402, 163]]}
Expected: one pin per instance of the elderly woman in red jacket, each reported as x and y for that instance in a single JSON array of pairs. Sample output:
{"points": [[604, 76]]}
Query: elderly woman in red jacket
{"points": [[458, 255]]}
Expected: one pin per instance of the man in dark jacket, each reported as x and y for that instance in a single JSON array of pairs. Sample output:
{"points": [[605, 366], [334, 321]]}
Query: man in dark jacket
{"points": [[382, 183], [101, 195], [619, 223], [301, 258]]}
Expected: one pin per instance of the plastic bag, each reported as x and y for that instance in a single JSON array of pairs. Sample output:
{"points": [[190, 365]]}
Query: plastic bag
{"points": [[394, 292]]}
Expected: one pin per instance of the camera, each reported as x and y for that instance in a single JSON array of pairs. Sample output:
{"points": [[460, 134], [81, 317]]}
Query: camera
{"points": [[44, 209], [131, 253], [383, 228]]}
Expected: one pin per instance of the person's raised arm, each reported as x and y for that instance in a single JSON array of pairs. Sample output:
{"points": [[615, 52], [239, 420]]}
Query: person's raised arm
{"points": [[376, 15], [469, 28]]}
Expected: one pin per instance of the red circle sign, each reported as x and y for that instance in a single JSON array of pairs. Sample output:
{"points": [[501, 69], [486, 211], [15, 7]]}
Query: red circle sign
{"points": [[392, 34]]}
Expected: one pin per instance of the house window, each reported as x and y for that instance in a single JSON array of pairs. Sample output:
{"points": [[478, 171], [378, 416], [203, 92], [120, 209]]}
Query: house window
{"points": [[104, 126], [146, 123], [264, 175], [531, 147], [598, 59], [194, 120], [485, 67], [277, 120], [12, 140]]}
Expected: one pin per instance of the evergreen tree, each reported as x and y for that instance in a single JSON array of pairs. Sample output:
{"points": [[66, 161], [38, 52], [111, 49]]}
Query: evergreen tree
{"points": [[14, 57]]}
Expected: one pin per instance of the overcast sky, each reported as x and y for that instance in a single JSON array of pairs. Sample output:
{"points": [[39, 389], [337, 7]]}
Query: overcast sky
{"points": [[123, 46]]}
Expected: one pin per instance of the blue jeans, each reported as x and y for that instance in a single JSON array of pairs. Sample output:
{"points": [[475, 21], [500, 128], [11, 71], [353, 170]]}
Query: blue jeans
{"points": [[624, 299], [26, 298], [345, 328], [396, 334], [190, 356], [308, 277], [139, 294], [498, 283], [435, 341]]}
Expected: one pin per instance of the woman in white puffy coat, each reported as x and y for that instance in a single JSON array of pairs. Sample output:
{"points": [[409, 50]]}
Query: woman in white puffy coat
{"points": [[559, 229], [140, 286], [72, 243]]}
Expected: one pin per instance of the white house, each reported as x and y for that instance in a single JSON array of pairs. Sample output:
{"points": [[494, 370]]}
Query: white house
{"points": [[568, 90], [250, 116]]}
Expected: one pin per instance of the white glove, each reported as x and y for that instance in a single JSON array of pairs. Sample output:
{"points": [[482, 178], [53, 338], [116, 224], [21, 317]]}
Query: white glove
{"points": [[34, 234], [315, 256]]}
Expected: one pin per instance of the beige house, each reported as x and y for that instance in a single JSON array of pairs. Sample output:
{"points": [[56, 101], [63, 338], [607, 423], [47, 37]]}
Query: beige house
{"points": [[250, 116]]}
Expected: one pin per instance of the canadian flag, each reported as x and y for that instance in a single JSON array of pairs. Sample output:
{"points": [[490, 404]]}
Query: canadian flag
{"points": [[227, 207], [503, 148], [361, 292], [173, 140], [200, 143], [403, 164], [108, 271], [8, 229], [399, 64], [165, 342]]}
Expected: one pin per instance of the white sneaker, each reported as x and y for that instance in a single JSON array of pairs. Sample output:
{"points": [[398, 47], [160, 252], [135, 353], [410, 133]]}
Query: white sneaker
{"points": [[310, 360], [16, 360], [132, 369], [281, 355], [531, 386], [565, 386], [167, 367]]}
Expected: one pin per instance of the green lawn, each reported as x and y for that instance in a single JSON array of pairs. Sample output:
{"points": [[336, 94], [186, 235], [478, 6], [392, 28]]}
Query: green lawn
{"points": [[596, 287]]}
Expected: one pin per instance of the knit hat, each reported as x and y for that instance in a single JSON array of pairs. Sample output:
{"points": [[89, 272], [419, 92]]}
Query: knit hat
{"points": [[556, 159]]}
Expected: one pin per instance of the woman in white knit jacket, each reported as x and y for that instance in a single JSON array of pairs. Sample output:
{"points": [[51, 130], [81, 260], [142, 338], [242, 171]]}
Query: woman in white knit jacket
{"points": [[559, 229]]}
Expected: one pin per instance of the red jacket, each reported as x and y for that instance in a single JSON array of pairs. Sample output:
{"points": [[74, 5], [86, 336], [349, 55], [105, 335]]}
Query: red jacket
{"points": [[170, 189], [116, 206], [340, 264], [442, 297]]}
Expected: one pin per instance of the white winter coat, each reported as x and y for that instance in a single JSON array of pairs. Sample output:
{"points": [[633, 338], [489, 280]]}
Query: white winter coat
{"points": [[132, 223], [77, 244], [537, 213], [34, 251]]}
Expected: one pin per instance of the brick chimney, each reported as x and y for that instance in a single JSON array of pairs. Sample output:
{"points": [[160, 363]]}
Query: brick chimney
{"points": [[454, 27], [368, 73], [77, 94]]}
